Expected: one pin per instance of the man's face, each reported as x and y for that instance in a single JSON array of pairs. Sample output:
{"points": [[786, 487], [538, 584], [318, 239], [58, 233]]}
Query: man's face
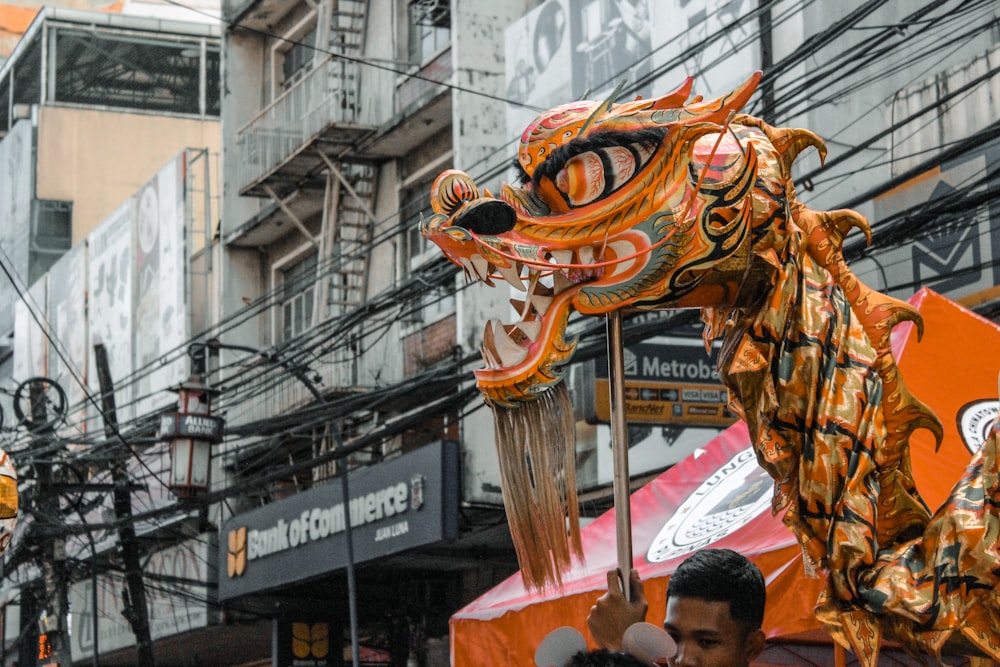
{"points": [[708, 636]]}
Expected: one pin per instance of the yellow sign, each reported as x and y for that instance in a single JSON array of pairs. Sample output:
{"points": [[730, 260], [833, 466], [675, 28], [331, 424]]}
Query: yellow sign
{"points": [[667, 403]]}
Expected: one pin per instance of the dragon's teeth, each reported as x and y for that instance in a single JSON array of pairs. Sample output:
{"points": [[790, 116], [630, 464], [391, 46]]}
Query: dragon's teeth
{"points": [[489, 349], [512, 276], [520, 307], [561, 257], [531, 329], [482, 267], [586, 254], [540, 302], [467, 267], [560, 283], [510, 353]]}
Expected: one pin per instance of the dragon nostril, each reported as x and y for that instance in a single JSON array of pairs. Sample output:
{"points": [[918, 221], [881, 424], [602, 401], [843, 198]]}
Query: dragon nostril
{"points": [[487, 217]]}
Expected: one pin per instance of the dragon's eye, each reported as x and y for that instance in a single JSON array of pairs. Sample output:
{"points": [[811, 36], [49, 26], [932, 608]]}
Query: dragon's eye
{"points": [[594, 174]]}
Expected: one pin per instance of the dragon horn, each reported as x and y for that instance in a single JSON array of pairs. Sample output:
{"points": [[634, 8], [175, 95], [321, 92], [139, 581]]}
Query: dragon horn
{"points": [[789, 142], [676, 98]]}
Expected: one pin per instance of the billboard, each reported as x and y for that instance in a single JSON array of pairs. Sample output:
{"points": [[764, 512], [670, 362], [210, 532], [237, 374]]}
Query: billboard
{"points": [[709, 40], [393, 506], [68, 322], [109, 316], [136, 273], [562, 51], [177, 599], [17, 186], [160, 316], [31, 346], [557, 53]]}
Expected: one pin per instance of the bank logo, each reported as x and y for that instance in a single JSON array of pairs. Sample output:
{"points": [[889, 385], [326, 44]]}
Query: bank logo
{"points": [[733, 496], [310, 641], [236, 559], [975, 421]]}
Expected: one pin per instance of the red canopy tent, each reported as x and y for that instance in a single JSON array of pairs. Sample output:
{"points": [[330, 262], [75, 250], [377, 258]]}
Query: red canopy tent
{"points": [[718, 496]]}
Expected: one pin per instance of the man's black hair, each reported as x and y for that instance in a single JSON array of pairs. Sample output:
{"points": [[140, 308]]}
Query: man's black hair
{"points": [[603, 658], [722, 575]]}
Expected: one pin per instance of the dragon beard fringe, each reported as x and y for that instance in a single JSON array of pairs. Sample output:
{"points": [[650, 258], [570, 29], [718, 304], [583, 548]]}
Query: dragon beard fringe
{"points": [[537, 453]]}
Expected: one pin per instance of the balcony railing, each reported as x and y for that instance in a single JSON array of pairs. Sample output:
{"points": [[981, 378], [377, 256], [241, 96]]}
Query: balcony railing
{"points": [[340, 99], [269, 388]]}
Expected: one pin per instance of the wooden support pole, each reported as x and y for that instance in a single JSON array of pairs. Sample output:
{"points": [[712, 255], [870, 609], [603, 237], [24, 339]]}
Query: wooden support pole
{"points": [[619, 448]]}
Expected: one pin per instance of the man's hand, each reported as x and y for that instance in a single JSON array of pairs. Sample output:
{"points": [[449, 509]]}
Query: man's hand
{"points": [[612, 614]]}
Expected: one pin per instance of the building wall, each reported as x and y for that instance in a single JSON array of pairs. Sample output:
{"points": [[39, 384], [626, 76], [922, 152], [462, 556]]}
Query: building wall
{"points": [[241, 275], [482, 140], [91, 158], [852, 118]]}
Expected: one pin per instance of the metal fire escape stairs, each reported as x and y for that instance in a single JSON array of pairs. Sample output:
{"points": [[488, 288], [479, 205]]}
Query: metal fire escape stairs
{"points": [[348, 220], [344, 242]]}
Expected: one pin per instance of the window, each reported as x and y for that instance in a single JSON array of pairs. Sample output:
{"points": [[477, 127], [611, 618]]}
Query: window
{"points": [[414, 205], [52, 235], [438, 300], [298, 60], [298, 284], [430, 28]]}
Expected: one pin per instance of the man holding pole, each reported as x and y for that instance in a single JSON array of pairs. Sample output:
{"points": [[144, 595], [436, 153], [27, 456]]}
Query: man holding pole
{"points": [[715, 609]]}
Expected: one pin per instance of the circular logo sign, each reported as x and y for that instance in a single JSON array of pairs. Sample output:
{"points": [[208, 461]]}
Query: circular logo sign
{"points": [[974, 422], [734, 495]]}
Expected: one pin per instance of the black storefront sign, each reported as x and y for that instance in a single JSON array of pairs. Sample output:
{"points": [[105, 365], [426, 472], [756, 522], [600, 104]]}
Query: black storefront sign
{"points": [[396, 505]]}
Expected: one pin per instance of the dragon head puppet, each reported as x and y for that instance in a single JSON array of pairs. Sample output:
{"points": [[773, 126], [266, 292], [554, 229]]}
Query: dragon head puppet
{"points": [[636, 205], [640, 205]]}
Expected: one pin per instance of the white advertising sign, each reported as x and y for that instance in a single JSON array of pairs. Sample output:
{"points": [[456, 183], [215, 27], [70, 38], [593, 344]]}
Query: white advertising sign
{"points": [[176, 590]]}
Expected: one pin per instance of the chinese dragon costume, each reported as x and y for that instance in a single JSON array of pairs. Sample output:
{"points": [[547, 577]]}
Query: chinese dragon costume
{"points": [[678, 203]]}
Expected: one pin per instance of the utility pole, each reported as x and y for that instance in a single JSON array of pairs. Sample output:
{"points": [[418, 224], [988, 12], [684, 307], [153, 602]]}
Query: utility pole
{"points": [[53, 643], [766, 26], [134, 594]]}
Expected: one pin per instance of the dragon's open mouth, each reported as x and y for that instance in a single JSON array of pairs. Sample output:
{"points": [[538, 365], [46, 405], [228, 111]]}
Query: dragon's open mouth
{"points": [[524, 356], [532, 347]]}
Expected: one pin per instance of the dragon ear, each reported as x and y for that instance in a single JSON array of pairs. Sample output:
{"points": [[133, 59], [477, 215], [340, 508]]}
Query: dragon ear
{"points": [[559, 646]]}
